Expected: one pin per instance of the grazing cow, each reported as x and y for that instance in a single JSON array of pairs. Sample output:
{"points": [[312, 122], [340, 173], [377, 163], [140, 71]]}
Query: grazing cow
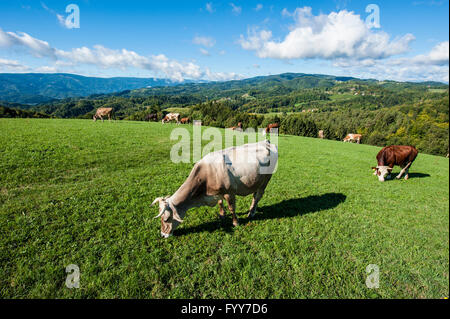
{"points": [[217, 176], [151, 117], [170, 117], [103, 111], [270, 127], [237, 128], [353, 138], [185, 120], [389, 156]]}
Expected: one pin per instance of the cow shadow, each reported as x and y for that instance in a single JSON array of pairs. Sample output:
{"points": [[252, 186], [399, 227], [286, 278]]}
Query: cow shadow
{"points": [[285, 209], [418, 175], [411, 175]]}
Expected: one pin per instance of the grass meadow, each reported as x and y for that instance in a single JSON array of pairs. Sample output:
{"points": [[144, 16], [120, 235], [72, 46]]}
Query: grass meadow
{"points": [[79, 192]]}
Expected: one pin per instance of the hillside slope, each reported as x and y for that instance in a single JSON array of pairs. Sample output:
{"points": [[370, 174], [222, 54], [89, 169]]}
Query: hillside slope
{"points": [[70, 197]]}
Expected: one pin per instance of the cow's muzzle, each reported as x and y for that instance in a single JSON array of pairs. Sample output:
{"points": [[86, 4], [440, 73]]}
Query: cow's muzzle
{"points": [[164, 235]]}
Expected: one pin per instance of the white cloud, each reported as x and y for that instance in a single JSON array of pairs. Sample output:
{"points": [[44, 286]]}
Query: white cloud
{"points": [[222, 76], [204, 52], [61, 19], [340, 34], [46, 69], [286, 13], [433, 66], [105, 58], [235, 9], [12, 66], [209, 7], [205, 41], [437, 56], [36, 47], [258, 7]]}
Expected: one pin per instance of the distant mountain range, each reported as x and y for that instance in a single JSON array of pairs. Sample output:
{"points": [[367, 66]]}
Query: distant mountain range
{"points": [[33, 88]]}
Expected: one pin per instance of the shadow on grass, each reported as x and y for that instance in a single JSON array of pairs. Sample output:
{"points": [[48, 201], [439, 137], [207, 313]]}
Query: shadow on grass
{"points": [[285, 209], [418, 175], [411, 175]]}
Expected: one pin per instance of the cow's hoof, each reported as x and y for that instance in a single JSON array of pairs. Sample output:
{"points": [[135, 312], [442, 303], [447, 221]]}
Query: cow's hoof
{"points": [[406, 177], [235, 223], [398, 177]]}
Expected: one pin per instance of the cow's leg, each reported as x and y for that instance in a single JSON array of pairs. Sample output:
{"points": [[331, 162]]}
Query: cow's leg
{"points": [[231, 201], [401, 173], [101, 118], [407, 174], [256, 198], [404, 169], [221, 209]]}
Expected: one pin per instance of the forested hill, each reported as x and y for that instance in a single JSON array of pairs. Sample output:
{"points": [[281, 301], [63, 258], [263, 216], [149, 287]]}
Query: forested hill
{"points": [[33, 88]]}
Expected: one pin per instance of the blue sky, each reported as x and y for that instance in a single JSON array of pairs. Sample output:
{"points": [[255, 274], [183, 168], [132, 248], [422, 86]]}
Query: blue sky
{"points": [[227, 40]]}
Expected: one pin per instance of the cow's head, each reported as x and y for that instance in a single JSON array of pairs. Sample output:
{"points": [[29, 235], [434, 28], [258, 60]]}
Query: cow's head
{"points": [[169, 216], [382, 172]]}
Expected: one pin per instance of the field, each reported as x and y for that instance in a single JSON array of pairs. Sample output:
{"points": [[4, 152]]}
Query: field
{"points": [[79, 192]]}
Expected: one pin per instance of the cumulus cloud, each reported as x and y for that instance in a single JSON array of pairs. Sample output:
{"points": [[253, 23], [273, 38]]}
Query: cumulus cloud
{"points": [[106, 58], [258, 7], [235, 9], [205, 41], [340, 34], [437, 56], [433, 66]]}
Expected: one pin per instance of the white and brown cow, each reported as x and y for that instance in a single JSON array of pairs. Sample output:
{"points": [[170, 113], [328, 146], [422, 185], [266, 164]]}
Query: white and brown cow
{"points": [[170, 117], [221, 175], [353, 138], [103, 111], [389, 156]]}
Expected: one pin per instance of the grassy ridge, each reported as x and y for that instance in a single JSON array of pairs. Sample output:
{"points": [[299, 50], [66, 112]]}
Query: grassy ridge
{"points": [[78, 192]]}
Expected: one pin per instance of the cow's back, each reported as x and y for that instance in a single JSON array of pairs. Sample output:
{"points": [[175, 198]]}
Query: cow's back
{"points": [[237, 170], [396, 155]]}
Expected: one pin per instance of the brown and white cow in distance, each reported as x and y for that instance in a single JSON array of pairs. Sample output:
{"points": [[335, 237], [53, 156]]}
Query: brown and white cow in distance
{"points": [[103, 111], [237, 128], [271, 127], [353, 138], [221, 175], [390, 156], [170, 117]]}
